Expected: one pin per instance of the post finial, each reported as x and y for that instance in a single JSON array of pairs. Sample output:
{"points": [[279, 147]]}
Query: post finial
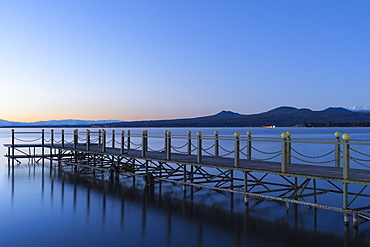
{"points": [[237, 134], [249, 133], [199, 133], [346, 136], [284, 135], [216, 132], [337, 134], [189, 132], [289, 133]]}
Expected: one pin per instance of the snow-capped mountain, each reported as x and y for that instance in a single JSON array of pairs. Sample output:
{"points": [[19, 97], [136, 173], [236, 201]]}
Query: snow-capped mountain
{"points": [[359, 108]]}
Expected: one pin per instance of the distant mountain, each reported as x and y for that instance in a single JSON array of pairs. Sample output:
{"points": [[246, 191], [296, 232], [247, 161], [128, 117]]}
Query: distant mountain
{"points": [[336, 109], [359, 108], [281, 116], [287, 110], [50, 123], [226, 114]]}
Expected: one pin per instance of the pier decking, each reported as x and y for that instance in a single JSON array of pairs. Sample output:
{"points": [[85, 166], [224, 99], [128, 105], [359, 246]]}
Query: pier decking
{"points": [[235, 171]]}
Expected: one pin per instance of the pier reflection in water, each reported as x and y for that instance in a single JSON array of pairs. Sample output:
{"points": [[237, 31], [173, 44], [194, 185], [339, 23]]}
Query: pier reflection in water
{"points": [[45, 207]]}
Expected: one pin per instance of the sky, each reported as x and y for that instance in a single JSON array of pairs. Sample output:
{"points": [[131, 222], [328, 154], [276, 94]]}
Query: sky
{"points": [[165, 59]]}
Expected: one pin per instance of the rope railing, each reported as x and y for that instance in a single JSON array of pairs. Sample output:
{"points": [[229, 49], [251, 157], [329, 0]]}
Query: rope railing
{"points": [[270, 158], [356, 151], [363, 160], [242, 148], [177, 150], [226, 154], [156, 150], [23, 140], [137, 145], [313, 157], [179, 147], [314, 162], [224, 149], [263, 152], [206, 149], [358, 161]]}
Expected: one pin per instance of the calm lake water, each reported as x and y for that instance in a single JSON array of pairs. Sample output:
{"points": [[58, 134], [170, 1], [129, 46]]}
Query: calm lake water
{"points": [[41, 206]]}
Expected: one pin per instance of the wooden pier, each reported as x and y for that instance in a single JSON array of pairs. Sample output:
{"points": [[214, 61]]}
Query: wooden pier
{"points": [[232, 164]]}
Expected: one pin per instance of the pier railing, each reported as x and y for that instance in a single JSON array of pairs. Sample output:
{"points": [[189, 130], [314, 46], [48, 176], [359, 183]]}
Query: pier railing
{"points": [[338, 152]]}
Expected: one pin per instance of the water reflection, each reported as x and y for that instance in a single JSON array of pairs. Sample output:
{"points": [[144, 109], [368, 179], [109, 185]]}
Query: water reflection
{"points": [[65, 208]]}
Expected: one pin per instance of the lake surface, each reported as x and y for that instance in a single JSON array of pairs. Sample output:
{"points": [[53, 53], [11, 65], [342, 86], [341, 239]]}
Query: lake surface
{"points": [[41, 206]]}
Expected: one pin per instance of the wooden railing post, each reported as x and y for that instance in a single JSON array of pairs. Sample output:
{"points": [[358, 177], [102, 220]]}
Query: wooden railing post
{"points": [[216, 144], [42, 136], [189, 142], [62, 141], [146, 141], [43, 143], [51, 146], [346, 156], [99, 138], [52, 138], [75, 142], [113, 139], [289, 147], [104, 140], [88, 140], [165, 141], [128, 140], [249, 145], [168, 147], [75, 138], [199, 149], [337, 149], [284, 160], [143, 143], [13, 143], [122, 142], [236, 149], [346, 173]]}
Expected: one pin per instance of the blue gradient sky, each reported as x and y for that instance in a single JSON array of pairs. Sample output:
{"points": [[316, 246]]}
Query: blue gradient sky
{"points": [[134, 60]]}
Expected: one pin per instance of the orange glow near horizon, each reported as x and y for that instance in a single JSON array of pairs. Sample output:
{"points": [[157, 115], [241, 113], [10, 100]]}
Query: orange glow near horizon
{"points": [[36, 117]]}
